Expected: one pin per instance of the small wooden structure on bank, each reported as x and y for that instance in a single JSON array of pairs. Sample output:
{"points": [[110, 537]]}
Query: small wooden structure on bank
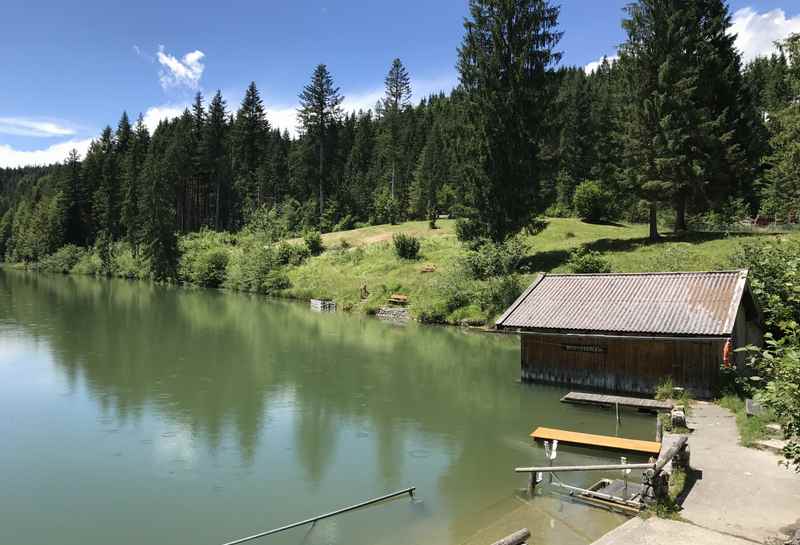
{"points": [[629, 332]]}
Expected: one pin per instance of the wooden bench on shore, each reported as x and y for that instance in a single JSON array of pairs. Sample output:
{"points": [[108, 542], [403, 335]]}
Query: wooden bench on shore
{"points": [[398, 299]]}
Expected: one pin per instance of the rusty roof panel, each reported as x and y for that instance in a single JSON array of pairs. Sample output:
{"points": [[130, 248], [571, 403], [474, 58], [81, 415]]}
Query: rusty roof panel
{"points": [[696, 303]]}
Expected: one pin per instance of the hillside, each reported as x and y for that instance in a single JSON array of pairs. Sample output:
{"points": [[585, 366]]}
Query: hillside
{"points": [[339, 273]]}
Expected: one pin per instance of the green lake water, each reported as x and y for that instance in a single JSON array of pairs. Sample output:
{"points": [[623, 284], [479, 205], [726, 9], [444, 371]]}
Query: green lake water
{"points": [[136, 414]]}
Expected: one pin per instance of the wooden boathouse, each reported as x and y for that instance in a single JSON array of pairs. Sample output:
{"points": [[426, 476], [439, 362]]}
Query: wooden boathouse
{"points": [[630, 332]]}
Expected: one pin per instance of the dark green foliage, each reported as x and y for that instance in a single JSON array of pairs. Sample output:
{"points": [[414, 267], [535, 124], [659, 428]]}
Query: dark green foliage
{"points": [[690, 121], [591, 202], [503, 63], [583, 261], [320, 111], [406, 246], [774, 278], [292, 254], [63, 260], [313, 241], [496, 259], [469, 230]]}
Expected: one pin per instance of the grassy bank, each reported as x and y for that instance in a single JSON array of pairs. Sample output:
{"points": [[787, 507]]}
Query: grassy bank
{"points": [[439, 285]]}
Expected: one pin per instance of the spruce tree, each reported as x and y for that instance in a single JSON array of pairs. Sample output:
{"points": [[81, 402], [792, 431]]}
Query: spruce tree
{"points": [[133, 163], [70, 187], [248, 149], [216, 160], [397, 96], [504, 63], [320, 109]]}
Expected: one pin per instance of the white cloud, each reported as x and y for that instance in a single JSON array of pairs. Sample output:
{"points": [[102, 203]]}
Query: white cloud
{"points": [[594, 65], [283, 119], [19, 126], [183, 72], [10, 157], [756, 33], [154, 114]]}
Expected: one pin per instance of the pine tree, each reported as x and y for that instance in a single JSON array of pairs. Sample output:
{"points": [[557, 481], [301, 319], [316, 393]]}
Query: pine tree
{"points": [[430, 176], [132, 166], [320, 109], [159, 219], [215, 158], [503, 64], [248, 150], [123, 136], [397, 97], [69, 187], [105, 199], [781, 194]]}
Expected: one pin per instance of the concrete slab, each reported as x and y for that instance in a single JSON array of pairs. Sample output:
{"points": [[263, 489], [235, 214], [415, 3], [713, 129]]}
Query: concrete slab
{"points": [[656, 531], [773, 445], [737, 491]]}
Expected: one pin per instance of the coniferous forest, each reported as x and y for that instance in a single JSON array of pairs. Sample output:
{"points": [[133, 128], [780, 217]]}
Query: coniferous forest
{"points": [[675, 130]]}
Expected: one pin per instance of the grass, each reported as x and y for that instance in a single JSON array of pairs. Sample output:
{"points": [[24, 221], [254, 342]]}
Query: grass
{"points": [[751, 428], [367, 258]]}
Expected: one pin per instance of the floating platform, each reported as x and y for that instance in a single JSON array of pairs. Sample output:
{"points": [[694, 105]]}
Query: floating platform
{"points": [[597, 441], [610, 401]]}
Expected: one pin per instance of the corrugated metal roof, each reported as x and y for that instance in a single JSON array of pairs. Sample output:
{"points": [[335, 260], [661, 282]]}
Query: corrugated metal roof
{"points": [[695, 303]]}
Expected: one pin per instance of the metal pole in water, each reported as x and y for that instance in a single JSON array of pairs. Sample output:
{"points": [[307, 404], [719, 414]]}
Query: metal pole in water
{"points": [[409, 491]]}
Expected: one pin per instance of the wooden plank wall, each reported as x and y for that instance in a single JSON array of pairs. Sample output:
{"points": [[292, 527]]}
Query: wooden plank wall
{"points": [[622, 365]]}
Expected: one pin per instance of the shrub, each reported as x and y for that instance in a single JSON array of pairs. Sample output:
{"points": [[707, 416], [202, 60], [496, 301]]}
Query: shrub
{"points": [[774, 277], [498, 293], [469, 230], [491, 259], [584, 261], [406, 246], [275, 280], [592, 202], [127, 265], [63, 260], [292, 254], [313, 240], [536, 226], [558, 210], [89, 263]]}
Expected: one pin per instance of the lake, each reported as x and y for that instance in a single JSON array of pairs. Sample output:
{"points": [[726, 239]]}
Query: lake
{"points": [[135, 413]]}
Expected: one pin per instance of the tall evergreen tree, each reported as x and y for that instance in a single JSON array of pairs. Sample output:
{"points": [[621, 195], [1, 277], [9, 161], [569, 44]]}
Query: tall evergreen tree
{"points": [[70, 188], [159, 218], [503, 63], [215, 158], [132, 165], [249, 139], [320, 109], [397, 96]]}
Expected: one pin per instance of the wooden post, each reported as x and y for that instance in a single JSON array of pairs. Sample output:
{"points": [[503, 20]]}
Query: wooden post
{"points": [[519, 537]]}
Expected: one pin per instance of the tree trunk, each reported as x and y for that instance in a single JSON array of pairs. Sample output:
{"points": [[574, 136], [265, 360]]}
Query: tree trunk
{"points": [[654, 236], [321, 178], [216, 211], [680, 213], [394, 169]]}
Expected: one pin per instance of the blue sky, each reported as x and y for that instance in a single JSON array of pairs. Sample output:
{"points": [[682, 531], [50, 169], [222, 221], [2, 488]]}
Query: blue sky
{"points": [[68, 69]]}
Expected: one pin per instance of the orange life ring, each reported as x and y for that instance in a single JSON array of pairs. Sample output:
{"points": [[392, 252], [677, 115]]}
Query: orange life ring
{"points": [[726, 353]]}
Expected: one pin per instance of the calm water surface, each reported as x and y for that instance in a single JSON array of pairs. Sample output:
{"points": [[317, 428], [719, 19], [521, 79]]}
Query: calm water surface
{"points": [[136, 414]]}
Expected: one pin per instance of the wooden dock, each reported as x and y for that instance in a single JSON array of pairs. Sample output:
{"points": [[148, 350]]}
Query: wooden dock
{"points": [[610, 401], [597, 441]]}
